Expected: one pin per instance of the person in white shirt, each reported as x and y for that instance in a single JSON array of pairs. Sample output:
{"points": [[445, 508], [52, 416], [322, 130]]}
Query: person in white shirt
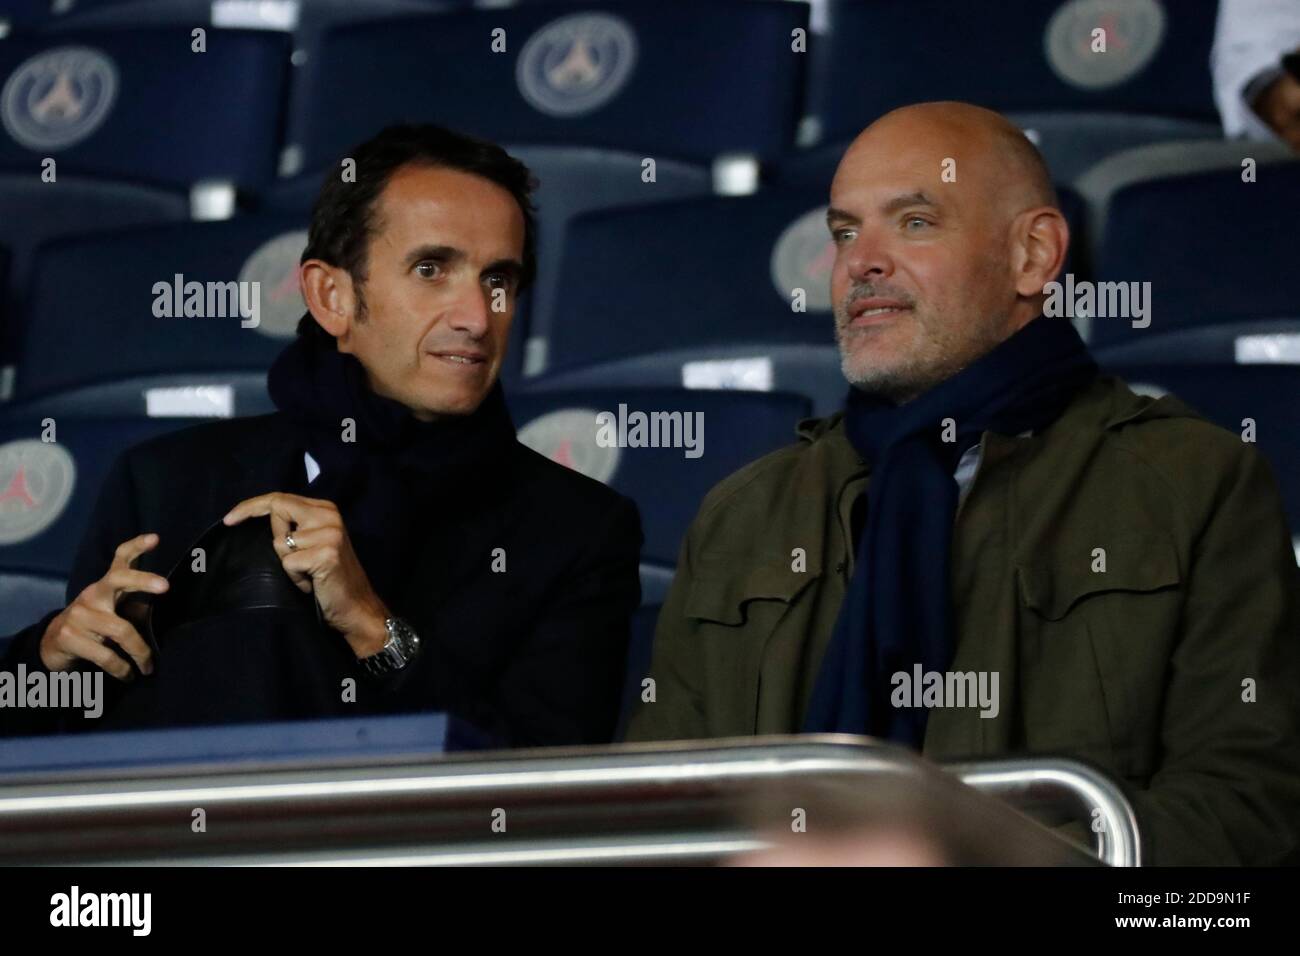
{"points": [[1256, 86]]}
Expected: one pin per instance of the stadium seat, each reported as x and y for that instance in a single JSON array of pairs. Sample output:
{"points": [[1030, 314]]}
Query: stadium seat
{"points": [[25, 599], [640, 650], [1227, 394], [1223, 273], [570, 74], [1099, 185], [665, 482], [48, 489], [699, 293], [37, 212], [1027, 58], [576, 180], [139, 104], [98, 332]]}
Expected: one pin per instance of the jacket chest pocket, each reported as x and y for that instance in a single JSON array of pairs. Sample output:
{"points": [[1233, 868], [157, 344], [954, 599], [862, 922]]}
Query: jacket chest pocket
{"points": [[1096, 633], [725, 588], [739, 607]]}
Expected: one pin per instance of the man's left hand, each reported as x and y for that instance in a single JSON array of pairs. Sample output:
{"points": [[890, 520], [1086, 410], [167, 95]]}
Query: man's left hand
{"points": [[322, 561]]}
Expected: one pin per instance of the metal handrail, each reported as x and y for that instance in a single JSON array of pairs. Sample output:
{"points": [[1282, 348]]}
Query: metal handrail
{"points": [[1107, 812], [60, 817]]}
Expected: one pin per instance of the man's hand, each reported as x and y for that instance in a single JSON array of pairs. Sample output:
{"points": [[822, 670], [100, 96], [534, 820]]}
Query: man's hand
{"points": [[78, 632], [322, 561], [1279, 106]]}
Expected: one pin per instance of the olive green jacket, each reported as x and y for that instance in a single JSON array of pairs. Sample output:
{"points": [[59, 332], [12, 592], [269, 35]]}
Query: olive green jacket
{"points": [[1176, 669]]}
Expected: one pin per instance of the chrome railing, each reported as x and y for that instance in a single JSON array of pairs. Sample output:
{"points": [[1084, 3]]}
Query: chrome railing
{"points": [[1030, 782], [631, 803]]}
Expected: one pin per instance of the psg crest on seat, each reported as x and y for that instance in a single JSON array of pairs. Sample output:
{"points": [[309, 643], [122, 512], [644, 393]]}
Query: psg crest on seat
{"points": [[576, 64], [58, 98]]}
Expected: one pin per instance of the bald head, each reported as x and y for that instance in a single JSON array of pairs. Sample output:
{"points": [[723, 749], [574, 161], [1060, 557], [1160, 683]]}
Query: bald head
{"points": [[985, 147], [946, 229]]}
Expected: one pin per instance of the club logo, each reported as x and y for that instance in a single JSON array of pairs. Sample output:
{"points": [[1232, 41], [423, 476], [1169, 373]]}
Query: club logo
{"points": [[803, 258], [275, 265], [36, 481], [576, 64], [568, 437], [58, 98], [1132, 29]]}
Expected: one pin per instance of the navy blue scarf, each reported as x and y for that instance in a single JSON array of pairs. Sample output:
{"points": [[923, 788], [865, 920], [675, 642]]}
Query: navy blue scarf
{"points": [[896, 612], [390, 483]]}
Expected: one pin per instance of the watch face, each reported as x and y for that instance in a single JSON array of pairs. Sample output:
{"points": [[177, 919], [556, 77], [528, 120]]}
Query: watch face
{"points": [[405, 642]]}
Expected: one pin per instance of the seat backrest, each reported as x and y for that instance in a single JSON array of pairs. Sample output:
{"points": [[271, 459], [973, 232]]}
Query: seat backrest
{"points": [[704, 272], [48, 489], [639, 655], [141, 104], [34, 213], [665, 80], [1015, 56], [715, 434], [1228, 255], [175, 299], [25, 599]]}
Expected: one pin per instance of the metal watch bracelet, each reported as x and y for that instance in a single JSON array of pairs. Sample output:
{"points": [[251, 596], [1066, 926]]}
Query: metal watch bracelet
{"points": [[402, 645]]}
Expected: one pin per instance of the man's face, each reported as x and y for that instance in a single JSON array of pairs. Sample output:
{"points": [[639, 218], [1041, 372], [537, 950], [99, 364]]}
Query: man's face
{"points": [[922, 284], [443, 268]]}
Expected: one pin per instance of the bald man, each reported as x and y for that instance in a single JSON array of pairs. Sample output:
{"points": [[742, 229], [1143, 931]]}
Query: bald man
{"points": [[994, 549]]}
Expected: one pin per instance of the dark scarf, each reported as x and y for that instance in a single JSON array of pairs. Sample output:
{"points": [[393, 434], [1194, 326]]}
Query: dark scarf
{"points": [[896, 612], [399, 471]]}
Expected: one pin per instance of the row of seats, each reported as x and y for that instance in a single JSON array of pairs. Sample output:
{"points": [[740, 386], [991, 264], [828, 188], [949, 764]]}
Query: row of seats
{"points": [[744, 73], [694, 292], [145, 130]]}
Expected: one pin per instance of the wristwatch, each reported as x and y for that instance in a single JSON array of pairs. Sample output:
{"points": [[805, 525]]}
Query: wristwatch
{"points": [[401, 646]]}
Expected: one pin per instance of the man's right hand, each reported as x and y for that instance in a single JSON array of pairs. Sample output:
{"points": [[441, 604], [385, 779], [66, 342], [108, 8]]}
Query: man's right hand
{"points": [[79, 631]]}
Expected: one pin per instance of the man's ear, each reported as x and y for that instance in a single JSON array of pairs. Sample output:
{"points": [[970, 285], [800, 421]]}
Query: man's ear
{"points": [[1041, 238], [329, 295]]}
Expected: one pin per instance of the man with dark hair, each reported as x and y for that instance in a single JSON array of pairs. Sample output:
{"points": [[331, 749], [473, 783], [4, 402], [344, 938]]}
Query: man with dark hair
{"points": [[448, 566], [994, 549]]}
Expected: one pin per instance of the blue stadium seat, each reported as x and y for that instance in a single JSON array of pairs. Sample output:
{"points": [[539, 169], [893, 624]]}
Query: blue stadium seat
{"points": [[640, 650], [668, 486], [138, 104], [25, 599], [1227, 394], [577, 180], [665, 80], [699, 293], [48, 489], [1028, 58], [35, 212], [1220, 255], [93, 336]]}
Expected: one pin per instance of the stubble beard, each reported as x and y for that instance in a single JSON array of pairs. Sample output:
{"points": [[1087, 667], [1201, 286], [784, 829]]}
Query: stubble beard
{"points": [[929, 359]]}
